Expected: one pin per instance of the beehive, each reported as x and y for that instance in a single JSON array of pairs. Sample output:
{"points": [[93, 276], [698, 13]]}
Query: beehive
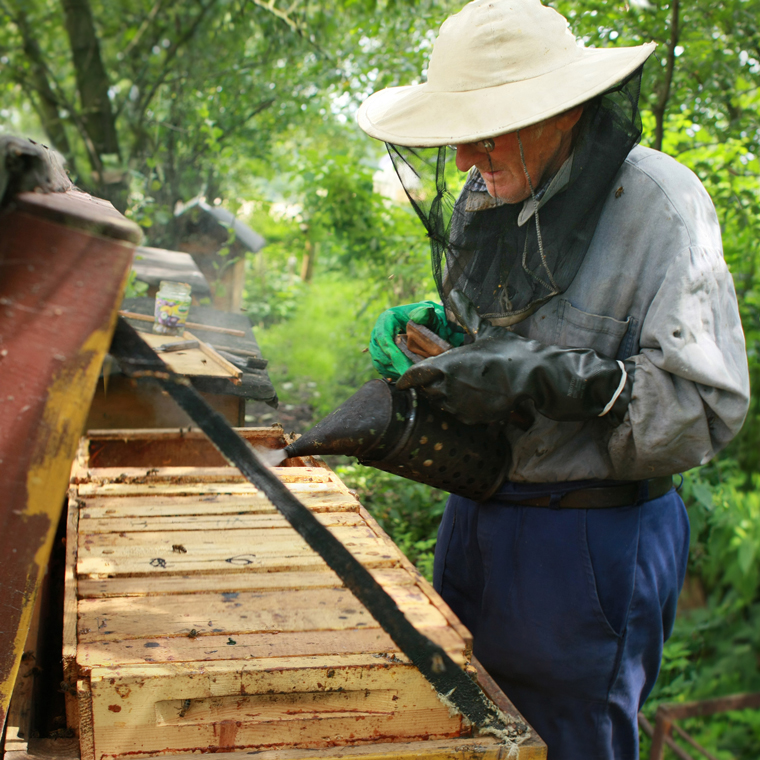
{"points": [[198, 620]]}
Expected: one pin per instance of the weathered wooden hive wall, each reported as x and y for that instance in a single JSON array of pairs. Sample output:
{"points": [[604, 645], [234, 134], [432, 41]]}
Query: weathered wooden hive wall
{"points": [[198, 620]]}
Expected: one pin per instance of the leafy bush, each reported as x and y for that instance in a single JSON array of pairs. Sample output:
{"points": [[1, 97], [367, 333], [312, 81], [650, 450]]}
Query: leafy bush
{"points": [[273, 298], [322, 343], [714, 647]]}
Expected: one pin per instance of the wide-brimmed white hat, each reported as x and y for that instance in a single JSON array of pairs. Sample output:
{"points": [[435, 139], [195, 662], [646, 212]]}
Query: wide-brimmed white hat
{"points": [[497, 66]]}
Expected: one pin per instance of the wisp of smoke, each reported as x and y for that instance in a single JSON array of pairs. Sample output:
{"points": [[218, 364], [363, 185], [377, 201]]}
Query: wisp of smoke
{"points": [[270, 457]]}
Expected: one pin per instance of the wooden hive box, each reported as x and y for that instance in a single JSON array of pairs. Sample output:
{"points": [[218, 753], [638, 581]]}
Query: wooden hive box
{"points": [[197, 620]]}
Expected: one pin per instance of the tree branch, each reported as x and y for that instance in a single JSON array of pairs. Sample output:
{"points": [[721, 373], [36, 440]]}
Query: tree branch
{"points": [[170, 55], [282, 15], [147, 21], [91, 77], [661, 106], [46, 102], [234, 128]]}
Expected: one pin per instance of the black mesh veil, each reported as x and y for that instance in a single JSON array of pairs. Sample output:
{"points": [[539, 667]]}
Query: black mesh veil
{"points": [[508, 269]]}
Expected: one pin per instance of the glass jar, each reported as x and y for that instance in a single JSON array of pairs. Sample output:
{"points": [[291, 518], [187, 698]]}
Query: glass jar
{"points": [[172, 307]]}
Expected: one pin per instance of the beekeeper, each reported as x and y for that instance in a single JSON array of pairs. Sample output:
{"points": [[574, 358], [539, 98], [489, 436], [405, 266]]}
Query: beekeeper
{"points": [[584, 289]]}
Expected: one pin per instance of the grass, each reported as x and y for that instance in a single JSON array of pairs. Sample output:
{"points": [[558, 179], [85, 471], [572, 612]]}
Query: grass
{"points": [[317, 355]]}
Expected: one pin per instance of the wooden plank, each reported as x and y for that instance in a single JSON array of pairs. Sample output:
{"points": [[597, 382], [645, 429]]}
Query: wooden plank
{"points": [[184, 584], [189, 551], [136, 543], [121, 403], [209, 647], [169, 448], [238, 546], [18, 724], [241, 612], [111, 612], [97, 567], [424, 585], [193, 362], [179, 446], [212, 355], [406, 723], [140, 436], [86, 727], [70, 672], [286, 474], [201, 523], [127, 703], [192, 325], [165, 475], [464, 748], [47, 749], [275, 708], [317, 497]]}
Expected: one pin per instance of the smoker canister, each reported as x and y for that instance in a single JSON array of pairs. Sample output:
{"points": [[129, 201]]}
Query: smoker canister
{"points": [[403, 433]]}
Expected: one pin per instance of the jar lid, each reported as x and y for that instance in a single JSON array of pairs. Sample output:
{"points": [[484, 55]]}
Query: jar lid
{"points": [[183, 287]]}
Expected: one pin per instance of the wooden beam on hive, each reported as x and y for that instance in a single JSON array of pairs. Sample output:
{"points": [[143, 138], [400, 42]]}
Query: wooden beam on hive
{"points": [[65, 258]]}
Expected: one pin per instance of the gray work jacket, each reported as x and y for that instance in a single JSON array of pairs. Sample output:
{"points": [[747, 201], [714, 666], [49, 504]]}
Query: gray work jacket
{"points": [[653, 288]]}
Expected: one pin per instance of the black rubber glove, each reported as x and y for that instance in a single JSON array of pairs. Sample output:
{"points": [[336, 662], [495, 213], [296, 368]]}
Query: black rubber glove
{"points": [[487, 379]]}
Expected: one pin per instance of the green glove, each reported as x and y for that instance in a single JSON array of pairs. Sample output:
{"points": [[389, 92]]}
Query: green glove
{"points": [[386, 356]]}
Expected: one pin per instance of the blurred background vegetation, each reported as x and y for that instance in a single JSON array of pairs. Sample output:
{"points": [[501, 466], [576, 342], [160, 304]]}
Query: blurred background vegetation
{"points": [[249, 104]]}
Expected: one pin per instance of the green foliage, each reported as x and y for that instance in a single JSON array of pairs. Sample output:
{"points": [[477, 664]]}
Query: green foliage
{"points": [[334, 208], [409, 512], [716, 640], [135, 288], [318, 355], [273, 297], [194, 86]]}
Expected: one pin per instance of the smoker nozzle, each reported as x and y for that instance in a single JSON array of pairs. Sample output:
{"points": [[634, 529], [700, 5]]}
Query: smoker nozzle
{"points": [[403, 433], [364, 426]]}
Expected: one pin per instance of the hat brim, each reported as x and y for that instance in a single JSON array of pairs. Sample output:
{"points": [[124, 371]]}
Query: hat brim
{"points": [[417, 116]]}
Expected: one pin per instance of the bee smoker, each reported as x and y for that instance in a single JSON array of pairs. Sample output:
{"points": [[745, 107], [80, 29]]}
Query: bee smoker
{"points": [[403, 433]]}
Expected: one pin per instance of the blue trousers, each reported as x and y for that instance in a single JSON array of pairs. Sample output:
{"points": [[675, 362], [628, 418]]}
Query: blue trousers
{"points": [[569, 610]]}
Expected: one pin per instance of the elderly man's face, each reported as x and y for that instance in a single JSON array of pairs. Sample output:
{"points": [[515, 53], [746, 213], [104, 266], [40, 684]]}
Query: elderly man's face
{"points": [[546, 146]]}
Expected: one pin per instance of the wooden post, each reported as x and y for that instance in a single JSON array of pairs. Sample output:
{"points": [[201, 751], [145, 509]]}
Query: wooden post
{"points": [[86, 735], [309, 256], [662, 730]]}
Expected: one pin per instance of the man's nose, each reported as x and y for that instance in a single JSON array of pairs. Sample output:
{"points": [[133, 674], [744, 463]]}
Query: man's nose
{"points": [[468, 154]]}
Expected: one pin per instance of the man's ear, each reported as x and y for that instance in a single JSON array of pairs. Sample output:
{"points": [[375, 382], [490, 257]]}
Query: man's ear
{"points": [[567, 120]]}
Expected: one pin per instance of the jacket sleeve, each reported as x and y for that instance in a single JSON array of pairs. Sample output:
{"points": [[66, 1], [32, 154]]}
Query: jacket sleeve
{"points": [[690, 382]]}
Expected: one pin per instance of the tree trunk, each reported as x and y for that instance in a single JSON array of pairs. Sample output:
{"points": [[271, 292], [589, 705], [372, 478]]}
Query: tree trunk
{"points": [[92, 80], [40, 91], [661, 106], [308, 261]]}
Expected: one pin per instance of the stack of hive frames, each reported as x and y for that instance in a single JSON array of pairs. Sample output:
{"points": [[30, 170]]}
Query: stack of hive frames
{"points": [[198, 620]]}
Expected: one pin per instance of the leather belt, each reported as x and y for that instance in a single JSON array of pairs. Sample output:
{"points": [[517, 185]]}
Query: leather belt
{"points": [[619, 495]]}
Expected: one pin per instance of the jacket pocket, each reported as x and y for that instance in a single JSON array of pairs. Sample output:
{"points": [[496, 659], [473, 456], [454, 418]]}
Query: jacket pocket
{"points": [[579, 329]]}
